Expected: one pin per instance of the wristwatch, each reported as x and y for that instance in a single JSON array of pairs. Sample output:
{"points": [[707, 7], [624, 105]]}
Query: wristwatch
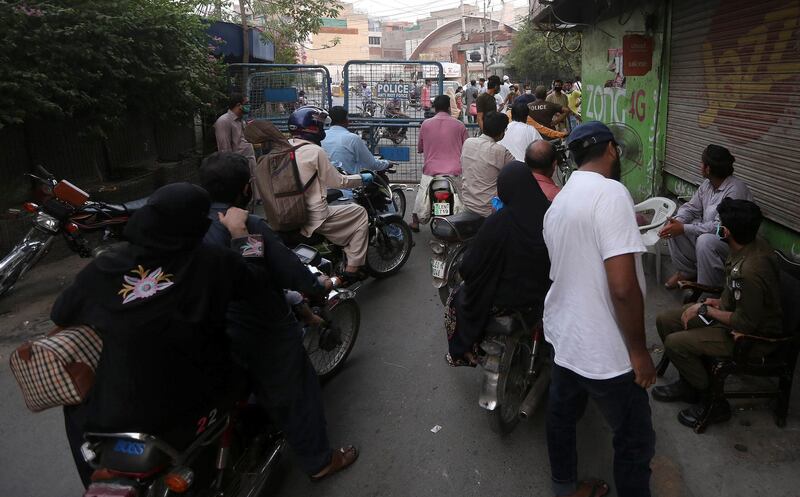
{"points": [[703, 310]]}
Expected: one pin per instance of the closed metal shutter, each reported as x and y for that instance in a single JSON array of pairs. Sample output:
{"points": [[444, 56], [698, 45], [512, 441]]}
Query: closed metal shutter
{"points": [[735, 82]]}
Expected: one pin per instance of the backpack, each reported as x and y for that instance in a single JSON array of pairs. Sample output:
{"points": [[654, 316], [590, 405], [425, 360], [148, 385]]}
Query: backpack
{"points": [[277, 179]]}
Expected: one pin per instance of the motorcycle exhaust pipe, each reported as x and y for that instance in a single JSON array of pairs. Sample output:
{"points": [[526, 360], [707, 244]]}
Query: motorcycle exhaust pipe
{"points": [[532, 400]]}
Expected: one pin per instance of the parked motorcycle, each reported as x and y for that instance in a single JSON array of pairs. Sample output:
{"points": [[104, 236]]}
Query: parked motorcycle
{"points": [[390, 239], [451, 237], [329, 345], [516, 362], [66, 211]]}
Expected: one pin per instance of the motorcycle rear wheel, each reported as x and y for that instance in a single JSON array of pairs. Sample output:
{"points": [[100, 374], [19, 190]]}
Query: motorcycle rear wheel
{"points": [[453, 278], [389, 249], [511, 386], [347, 317]]}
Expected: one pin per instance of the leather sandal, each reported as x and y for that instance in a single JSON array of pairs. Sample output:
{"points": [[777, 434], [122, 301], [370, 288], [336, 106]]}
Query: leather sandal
{"points": [[340, 459], [597, 488]]}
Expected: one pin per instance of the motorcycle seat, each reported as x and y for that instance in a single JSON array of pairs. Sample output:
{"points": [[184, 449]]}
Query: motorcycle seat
{"points": [[500, 325], [134, 205], [295, 238], [441, 183], [458, 227], [333, 195]]}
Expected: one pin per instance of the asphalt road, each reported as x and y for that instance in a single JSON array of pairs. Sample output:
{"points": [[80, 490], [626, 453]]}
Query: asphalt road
{"points": [[395, 388]]}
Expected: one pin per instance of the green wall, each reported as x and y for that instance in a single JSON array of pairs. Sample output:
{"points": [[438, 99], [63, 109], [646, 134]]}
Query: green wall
{"points": [[636, 105], [639, 107]]}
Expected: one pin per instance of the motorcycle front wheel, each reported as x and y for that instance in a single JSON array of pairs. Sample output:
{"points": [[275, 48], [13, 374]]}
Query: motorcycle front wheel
{"points": [[343, 319], [399, 201], [22, 257], [511, 386], [388, 249]]}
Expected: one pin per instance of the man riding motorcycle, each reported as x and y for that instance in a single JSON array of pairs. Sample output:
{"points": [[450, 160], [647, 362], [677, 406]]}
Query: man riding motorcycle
{"points": [[344, 225], [266, 338]]}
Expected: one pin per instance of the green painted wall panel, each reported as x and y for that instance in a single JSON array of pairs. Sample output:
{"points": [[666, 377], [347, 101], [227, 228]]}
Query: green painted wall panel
{"points": [[636, 105]]}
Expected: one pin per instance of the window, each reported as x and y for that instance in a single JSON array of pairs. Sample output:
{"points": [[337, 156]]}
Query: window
{"points": [[375, 41]]}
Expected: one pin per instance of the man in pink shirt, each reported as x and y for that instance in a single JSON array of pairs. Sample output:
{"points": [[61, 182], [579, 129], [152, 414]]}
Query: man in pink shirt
{"points": [[440, 139], [540, 156], [426, 95]]}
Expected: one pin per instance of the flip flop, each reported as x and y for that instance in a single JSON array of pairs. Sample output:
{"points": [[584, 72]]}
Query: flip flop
{"points": [[341, 459]]}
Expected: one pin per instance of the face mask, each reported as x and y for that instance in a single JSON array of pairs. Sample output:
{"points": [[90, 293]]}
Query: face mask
{"points": [[721, 232], [246, 109], [556, 88]]}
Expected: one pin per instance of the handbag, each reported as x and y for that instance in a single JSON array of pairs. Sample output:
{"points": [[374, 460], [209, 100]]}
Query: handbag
{"points": [[58, 369], [473, 109]]}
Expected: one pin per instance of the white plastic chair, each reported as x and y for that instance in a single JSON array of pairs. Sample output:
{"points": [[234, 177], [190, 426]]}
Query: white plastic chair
{"points": [[662, 208]]}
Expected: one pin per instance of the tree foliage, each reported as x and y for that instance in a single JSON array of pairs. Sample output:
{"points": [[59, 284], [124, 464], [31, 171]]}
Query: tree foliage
{"points": [[531, 59], [97, 60]]}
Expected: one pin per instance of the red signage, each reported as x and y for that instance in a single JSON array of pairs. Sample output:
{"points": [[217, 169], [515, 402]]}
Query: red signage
{"points": [[637, 54]]}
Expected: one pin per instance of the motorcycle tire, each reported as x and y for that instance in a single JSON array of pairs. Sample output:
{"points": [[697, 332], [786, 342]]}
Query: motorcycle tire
{"points": [[393, 239], [346, 316], [399, 201], [511, 386]]}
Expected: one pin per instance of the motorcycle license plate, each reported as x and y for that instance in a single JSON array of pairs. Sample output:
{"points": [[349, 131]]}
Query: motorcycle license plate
{"points": [[437, 268], [441, 209]]}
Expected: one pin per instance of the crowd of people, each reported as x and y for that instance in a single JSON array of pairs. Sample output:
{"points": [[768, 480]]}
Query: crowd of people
{"points": [[570, 254]]}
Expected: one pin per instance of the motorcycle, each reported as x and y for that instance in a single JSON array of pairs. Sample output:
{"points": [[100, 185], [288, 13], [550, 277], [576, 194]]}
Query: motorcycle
{"points": [[564, 164], [451, 237], [390, 239], [66, 211], [329, 345], [233, 453], [396, 134], [516, 362]]}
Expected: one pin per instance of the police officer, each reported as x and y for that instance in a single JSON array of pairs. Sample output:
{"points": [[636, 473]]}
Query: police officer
{"points": [[750, 304]]}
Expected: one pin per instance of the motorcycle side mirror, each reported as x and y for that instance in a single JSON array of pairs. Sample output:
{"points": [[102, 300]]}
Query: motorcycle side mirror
{"points": [[308, 255]]}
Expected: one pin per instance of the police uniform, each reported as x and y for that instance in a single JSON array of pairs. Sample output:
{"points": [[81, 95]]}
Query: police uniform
{"points": [[751, 292]]}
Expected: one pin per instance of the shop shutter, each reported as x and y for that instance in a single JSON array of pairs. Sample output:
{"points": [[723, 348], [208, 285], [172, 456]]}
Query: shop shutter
{"points": [[735, 82]]}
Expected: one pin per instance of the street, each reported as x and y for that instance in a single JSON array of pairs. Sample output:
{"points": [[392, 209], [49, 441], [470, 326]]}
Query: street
{"points": [[395, 388]]}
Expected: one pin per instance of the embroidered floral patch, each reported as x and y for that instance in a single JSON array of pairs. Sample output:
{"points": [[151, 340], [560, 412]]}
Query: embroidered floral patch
{"points": [[146, 285]]}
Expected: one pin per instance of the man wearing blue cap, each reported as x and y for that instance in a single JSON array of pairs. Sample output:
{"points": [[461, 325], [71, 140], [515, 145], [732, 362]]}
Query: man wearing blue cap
{"points": [[594, 318]]}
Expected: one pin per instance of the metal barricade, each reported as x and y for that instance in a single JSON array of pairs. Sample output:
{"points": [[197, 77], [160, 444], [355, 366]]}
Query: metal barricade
{"points": [[276, 90], [385, 88]]}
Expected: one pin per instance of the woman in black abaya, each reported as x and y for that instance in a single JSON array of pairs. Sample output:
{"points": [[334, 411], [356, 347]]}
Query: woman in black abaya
{"points": [[506, 267]]}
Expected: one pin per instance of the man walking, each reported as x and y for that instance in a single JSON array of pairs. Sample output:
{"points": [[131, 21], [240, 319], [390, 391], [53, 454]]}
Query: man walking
{"points": [[470, 96], [594, 318], [695, 249], [440, 139], [486, 101]]}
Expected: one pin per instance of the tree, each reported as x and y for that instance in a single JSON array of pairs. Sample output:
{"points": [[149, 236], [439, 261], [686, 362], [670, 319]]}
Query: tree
{"points": [[97, 61], [532, 59]]}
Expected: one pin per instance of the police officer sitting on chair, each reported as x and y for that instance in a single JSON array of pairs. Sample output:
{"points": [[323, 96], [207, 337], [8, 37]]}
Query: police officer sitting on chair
{"points": [[750, 304]]}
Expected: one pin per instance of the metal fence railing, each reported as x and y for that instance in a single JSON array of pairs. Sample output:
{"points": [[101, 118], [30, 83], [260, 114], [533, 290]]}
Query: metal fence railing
{"points": [[375, 87], [276, 90]]}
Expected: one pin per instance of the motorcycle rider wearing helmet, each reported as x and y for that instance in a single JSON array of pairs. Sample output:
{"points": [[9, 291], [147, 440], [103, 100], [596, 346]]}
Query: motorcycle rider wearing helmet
{"points": [[344, 225]]}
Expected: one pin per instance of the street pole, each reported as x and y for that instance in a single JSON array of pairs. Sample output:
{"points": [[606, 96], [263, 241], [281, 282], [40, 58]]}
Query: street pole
{"points": [[463, 23], [485, 51]]}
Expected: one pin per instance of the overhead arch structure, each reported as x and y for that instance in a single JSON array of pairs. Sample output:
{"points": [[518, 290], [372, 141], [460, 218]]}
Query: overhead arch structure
{"points": [[440, 40]]}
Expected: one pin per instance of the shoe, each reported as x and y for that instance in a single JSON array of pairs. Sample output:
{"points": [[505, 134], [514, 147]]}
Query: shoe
{"points": [[706, 412], [681, 390]]}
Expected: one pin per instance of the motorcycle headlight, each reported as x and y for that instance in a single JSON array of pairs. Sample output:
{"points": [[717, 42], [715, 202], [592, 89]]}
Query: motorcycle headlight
{"points": [[437, 247], [47, 222]]}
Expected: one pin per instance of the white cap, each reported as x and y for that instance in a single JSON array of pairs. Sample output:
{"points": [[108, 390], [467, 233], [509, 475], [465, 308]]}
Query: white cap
{"points": [[505, 78]]}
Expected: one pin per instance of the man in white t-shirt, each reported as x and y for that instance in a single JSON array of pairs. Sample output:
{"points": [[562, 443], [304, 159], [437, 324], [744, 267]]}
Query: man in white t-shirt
{"points": [[519, 133], [594, 318]]}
